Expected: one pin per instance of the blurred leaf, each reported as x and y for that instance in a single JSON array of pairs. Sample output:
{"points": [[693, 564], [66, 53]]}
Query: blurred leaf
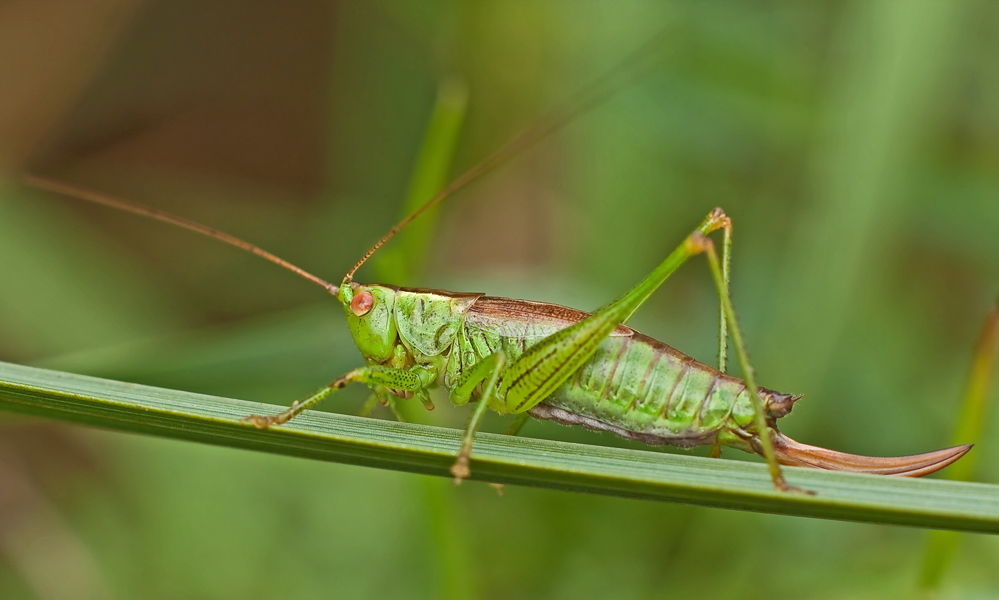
{"points": [[403, 262], [67, 290], [892, 64], [941, 545], [503, 459]]}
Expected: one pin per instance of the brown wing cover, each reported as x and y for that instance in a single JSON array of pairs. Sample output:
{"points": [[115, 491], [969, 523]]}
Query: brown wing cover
{"points": [[541, 315]]}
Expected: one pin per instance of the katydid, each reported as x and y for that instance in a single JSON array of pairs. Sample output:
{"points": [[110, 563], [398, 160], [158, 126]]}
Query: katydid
{"points": [[553, 362], [534, 359]]}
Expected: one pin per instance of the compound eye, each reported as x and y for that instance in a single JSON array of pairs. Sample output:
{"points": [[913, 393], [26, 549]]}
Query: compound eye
{"points": [[362, 303]]}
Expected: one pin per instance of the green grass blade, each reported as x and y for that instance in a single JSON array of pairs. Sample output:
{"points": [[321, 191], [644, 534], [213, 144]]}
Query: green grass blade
{"points": [[541, 463], [402, 262], [942, 545]]}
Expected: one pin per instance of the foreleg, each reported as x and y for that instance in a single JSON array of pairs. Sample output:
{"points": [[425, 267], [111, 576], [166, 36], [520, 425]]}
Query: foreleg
{"points": [[413, 380]]}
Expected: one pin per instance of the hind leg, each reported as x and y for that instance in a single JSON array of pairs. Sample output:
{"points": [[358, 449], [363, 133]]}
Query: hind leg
{"points": [[726, 266], [707, 246]]}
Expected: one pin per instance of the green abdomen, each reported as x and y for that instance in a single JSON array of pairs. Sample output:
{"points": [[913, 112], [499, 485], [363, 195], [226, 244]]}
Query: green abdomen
{"points": [[634, 385], [641, 388]]}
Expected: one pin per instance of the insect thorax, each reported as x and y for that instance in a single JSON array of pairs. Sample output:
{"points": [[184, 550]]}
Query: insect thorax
{"points": [[429, 320]]}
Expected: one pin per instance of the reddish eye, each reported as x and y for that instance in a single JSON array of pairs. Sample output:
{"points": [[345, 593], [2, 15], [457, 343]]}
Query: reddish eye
{"points": [[362, 303]]}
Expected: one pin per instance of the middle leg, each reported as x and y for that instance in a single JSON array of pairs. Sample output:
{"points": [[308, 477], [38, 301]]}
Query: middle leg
{"points": [[491, 367]]}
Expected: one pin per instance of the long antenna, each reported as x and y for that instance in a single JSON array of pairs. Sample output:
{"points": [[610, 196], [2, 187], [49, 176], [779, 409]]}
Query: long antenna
{"points": [[627, 71], [154, 213]]}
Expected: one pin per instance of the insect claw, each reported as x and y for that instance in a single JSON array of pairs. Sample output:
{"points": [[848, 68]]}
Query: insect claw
{"points": [[783, 486], [460, 469], [257, 420], [264, 422], [790, 452]]}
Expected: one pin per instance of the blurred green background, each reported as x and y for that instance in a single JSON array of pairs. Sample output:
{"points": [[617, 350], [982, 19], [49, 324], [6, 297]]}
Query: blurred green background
{"points": [[855, 145]]}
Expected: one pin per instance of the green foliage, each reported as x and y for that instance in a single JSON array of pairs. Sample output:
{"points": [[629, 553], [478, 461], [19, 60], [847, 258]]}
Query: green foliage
{"points": [[942, 545]]}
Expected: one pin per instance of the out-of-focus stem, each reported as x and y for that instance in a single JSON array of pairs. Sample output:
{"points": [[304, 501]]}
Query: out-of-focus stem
{"points": [[941, 545]]}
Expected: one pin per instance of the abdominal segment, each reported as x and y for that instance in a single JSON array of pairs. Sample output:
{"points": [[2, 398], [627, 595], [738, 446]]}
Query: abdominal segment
{"points": [[643, 389]]}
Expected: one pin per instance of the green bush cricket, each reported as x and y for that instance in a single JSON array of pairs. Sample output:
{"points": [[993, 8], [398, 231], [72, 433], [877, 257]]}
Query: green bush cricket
{"points": [[541, 360]]}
